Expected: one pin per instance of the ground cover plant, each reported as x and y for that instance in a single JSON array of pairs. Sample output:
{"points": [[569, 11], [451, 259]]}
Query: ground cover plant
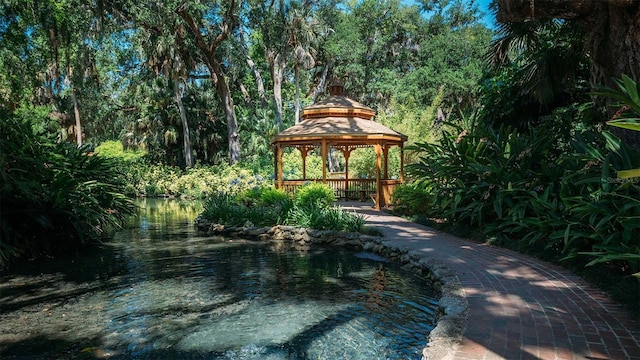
{"points": [[312, 206]]}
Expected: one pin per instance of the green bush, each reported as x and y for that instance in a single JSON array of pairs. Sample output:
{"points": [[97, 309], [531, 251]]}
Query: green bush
{"points": [[314, 216], [114, 149], [524, 194], [55, 196], [272, 196], [409, 199], [269, 207], [314, 194], [200, 182]]}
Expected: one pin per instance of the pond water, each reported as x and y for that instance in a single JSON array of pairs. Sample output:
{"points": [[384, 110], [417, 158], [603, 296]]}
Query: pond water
{"points": [[161, 290]]}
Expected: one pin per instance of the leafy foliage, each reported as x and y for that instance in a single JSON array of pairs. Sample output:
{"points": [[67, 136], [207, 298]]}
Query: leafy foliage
{"points": [[199, 182], [314, 194], [314, 216], [409, 199], [267, 206], [115, 149], [55, 197], [522, 194]]}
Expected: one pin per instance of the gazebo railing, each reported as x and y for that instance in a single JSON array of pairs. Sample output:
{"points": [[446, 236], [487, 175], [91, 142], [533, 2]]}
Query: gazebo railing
{"points": [[358, 189]]}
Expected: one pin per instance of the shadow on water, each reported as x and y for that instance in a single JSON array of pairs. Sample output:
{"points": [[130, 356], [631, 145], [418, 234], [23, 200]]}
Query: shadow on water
{"points": [[98, 268], [160, 289]]}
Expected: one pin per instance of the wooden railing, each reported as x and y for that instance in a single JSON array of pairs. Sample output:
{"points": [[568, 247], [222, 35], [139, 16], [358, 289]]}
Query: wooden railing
{"points": [[357, 189]]}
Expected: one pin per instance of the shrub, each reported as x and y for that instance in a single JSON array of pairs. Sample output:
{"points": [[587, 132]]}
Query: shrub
{"points": [[271, 196], [200, 182], [317, 194], [325, 218], [515, 188], [54, 196], [269, 206], [114, 149], [409, 199]]}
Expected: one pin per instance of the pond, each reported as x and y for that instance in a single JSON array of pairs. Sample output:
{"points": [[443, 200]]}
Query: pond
{"points": [[161, 290]]}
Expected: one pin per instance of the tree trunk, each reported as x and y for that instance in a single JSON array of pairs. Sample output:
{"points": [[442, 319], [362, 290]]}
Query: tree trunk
{"points": [[76, 113], [613, 37], [277, 73], [256, 73], [323, 79], [216, 72], [245, 94], [613, 41], [232, 124], [188, 157], [297, 101]]}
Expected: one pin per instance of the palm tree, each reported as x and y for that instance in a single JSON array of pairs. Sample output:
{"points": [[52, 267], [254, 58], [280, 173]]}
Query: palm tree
{"points": [[547, 55], [302, 33]]}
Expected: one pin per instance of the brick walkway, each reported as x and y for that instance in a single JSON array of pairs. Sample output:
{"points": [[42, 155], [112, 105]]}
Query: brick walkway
{"points": [[519, 307]]}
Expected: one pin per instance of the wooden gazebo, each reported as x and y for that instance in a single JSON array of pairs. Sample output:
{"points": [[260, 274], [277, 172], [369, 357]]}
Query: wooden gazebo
{"points": [[343, 124]]}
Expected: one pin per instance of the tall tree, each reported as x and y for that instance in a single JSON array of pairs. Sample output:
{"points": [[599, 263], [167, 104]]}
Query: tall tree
{"points": [[269, 18], [303, 29], [613, 39], [168, 55], [57, 37], [208, 38]]}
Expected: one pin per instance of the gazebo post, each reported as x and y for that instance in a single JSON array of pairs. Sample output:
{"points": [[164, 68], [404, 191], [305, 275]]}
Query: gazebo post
{"points": [[402, 163], [378, 149], [385, 150], [280, 173], [304, 151], [346, 152], [275, 166], [324, 161]]}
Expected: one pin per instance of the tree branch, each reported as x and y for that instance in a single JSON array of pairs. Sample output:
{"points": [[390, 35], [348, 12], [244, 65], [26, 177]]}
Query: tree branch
{"points": [[521, 10]]}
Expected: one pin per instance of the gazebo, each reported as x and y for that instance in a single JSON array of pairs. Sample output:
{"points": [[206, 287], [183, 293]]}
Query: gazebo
{"points": [[342, 124]]}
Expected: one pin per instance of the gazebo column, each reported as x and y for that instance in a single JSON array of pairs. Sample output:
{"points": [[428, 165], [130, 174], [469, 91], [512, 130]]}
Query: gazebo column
{"points": [[402, 163], [279, 172], [378, 149], [324, 161], [304, 151], [385, 150], [346, 152]]}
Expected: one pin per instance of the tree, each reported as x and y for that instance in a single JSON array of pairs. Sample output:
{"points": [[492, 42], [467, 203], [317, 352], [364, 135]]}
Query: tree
{"points": [[208, 37], [168, 54], [612, 41], [613, 34], [59, 43]]}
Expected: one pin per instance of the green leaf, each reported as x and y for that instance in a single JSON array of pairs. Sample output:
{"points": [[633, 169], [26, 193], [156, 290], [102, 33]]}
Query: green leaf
{"points": [[626, 174], [626, 123]]}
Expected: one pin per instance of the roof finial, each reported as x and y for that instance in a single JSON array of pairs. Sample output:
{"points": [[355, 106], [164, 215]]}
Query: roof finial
{"points": [[336, 89]]}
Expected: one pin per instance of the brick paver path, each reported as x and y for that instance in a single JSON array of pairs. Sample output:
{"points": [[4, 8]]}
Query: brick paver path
{"points": [[519, 307]]}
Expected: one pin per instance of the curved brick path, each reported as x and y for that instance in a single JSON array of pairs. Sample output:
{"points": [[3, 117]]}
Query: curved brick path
{"points": [[519, 307]]}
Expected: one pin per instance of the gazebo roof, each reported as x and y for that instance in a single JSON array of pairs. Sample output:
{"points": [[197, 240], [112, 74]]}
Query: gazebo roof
{"points": [[338, 119], [337, 105], [336, 127]]}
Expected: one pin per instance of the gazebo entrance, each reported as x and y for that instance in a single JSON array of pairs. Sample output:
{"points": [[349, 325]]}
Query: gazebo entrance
{"points": [[344, 125]]}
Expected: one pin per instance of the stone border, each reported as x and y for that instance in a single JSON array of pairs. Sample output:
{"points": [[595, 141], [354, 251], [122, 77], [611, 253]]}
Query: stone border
{"points": [[453, 311]]}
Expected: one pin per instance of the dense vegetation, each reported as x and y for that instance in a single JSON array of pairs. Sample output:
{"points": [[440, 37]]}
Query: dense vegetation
{"points": [[177, 98], [312, 207], [55, 197]]}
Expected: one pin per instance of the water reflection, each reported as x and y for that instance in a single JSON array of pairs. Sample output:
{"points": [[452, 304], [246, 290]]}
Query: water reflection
{"points": [[160, 289]]}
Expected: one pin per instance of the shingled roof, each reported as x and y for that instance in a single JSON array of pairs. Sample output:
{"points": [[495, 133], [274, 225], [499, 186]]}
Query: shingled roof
{"points": [[338, 118]]}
